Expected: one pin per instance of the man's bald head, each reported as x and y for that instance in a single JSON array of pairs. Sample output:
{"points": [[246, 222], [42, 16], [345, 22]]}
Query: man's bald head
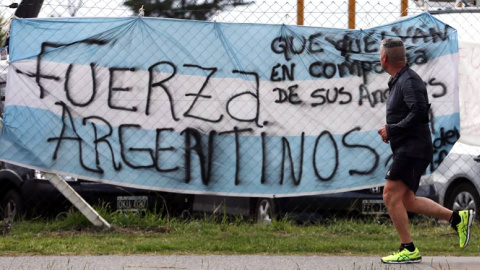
{"points": [[394, 49]]}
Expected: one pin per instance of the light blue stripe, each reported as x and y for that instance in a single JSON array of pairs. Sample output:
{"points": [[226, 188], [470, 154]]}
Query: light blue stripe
{"points": [[141, 42], [26, 130]]}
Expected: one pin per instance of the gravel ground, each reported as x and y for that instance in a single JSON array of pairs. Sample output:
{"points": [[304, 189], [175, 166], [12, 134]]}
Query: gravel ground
{"points": [[240, 262]]}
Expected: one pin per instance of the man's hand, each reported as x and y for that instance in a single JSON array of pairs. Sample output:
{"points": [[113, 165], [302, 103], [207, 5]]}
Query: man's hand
{"points": [[383, 134]]}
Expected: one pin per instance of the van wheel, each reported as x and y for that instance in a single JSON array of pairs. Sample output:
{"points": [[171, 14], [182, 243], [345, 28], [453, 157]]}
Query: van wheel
{"points": [[12, 206], [264, 211], [464, 196]]}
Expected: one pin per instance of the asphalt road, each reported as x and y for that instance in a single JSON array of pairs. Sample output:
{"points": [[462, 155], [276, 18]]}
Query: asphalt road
{"points": [[239, 262]]}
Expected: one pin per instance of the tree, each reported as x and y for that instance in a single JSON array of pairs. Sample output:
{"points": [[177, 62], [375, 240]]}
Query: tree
{"points": [[182, 9], [29, 8], [26, 9]]}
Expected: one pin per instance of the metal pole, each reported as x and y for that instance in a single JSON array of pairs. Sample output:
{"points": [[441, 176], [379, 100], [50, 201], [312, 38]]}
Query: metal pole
{"points": [[404, 8], [77, 201], [300, 12], [351, 14]]}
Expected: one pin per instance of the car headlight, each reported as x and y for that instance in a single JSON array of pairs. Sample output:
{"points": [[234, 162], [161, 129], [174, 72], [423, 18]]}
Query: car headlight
{"points": [[39, 175]]}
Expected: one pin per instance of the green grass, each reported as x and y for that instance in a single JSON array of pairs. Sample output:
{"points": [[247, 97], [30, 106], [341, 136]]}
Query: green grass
{"points": [[154, 234]]}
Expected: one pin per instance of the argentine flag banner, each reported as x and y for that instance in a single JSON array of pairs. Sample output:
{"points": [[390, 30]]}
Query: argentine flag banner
{"points": [[216, 108]]}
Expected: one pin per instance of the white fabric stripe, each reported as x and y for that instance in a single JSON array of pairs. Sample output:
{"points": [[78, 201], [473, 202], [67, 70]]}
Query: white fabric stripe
{"points": [[469, 79], [283, 118]]}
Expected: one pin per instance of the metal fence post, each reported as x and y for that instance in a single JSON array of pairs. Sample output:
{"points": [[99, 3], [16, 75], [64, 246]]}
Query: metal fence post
{"points": [[82, 206], [351, 14], [300, 8], [404, 8]]}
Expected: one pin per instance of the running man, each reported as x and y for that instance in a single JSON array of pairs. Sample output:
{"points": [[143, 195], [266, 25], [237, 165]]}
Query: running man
{"points": [[408, 132]]}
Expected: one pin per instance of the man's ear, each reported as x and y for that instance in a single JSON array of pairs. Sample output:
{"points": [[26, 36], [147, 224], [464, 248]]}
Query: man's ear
{"points": [[384, 57]]}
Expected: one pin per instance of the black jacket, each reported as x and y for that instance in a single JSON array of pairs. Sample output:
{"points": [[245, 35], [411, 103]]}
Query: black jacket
{"points": [[407, 116]]}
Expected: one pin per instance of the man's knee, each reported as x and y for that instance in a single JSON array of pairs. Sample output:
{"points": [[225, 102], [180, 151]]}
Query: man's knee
{"points": [[391, 195], [388, 195]]}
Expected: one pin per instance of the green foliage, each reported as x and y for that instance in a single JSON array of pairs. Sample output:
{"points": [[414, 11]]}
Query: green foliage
{"points": [[182, 9]]}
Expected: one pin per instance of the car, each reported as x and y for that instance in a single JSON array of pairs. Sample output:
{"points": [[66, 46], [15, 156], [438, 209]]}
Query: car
{"points": [[311, 208], [457, 179], [26, 192]]}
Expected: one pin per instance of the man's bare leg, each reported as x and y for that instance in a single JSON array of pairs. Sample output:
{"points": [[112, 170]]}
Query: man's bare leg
{"points": [[425, 206], [393, 195]]}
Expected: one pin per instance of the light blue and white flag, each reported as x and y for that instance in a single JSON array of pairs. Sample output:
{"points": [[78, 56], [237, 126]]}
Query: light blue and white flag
{"points": [[216, 108]]}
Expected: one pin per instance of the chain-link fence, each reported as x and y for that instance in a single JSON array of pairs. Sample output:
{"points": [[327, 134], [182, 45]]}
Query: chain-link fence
{"points": [[258, 119]]}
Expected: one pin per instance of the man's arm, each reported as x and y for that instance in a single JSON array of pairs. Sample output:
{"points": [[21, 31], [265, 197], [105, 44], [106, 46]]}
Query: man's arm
{"points": [[417, 103]]}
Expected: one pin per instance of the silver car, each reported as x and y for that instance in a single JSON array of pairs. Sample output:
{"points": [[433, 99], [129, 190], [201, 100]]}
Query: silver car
{"points": [[457, 179]]}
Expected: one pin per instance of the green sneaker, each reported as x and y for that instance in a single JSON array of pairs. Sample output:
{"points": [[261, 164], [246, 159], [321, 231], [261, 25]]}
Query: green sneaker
{"points": [[464, 227], [403, 256]]}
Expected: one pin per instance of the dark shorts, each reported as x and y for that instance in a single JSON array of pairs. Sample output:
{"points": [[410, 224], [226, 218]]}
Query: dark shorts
{"points": [[407, 169]]}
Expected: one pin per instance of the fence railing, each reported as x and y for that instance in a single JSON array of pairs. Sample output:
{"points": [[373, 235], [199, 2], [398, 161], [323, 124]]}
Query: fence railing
{"points": [[292, 83]]}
